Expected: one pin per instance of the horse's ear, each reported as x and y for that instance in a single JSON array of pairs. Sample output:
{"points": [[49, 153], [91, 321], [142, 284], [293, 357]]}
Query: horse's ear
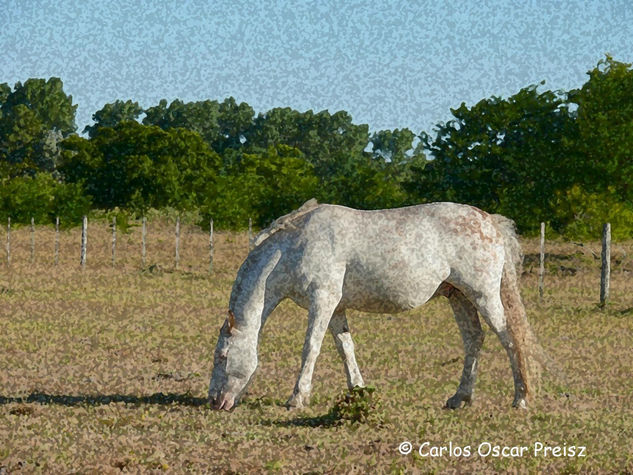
{"points": [[231, 320]]}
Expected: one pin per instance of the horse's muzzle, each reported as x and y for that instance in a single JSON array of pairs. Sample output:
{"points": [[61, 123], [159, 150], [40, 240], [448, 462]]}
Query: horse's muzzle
{"points": [[223, 401]]}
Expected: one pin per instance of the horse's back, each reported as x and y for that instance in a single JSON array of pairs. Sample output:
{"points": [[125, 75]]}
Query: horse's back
{"points": [[412, 230], [395, 259]]}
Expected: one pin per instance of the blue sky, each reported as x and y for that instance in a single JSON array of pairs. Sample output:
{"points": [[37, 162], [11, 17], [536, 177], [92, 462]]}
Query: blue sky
{"points": [[390, 64]]}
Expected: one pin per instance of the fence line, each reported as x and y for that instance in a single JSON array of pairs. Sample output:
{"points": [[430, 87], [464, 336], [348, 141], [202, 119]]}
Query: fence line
{"points": [[32, 240], [605, 268], [143, 239], [84, 242], [605, 258], [177, 242], [606, 265], [56, 259], [113, 239], [541, 269], [250, 234], [9, 242], [210, 245]]}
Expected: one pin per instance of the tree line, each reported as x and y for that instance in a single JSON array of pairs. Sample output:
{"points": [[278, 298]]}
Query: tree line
{"points": [[562, 157]]}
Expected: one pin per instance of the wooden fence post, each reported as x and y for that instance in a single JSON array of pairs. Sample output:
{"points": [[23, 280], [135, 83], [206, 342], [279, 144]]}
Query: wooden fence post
{"points": [[541, 269], [84, 241], [606, 265], [250, 234], [113, 239], [56, 259], [143, 241], [32, 240], [177, 241], [210, 245], [9, 242]]}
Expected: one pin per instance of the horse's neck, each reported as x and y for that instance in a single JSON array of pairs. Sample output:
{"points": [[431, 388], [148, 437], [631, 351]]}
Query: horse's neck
{"points": [[252, 294]]}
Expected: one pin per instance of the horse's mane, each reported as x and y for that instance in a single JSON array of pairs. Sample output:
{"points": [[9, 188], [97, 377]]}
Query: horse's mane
{"points": [[285, 221]]}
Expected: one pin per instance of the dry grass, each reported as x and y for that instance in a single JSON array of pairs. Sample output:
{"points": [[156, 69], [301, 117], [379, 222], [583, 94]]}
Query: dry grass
{"points": [[107, 370]]}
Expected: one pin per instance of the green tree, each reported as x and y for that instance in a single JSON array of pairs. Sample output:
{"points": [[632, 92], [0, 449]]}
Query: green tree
{"points": [[503, 155], [113, 114], [234, 120], [581, 214], [43, 198], [331, 143], [21, 132], [49, 102], [34, 118], [262, 186], [326, 140], [200, 117], [222, 125], [395, 146], [365, 183], [136, 167], [5, 90], [277, 126], [400, 154], [605, 124]]}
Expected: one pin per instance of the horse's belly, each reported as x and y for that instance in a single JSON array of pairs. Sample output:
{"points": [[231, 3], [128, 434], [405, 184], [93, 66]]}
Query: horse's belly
{"points": [[383, 291]]}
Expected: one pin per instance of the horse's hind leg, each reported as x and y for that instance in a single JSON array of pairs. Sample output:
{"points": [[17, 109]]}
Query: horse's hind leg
{"points": [[491, 308], [345, 346], [473, 338]]}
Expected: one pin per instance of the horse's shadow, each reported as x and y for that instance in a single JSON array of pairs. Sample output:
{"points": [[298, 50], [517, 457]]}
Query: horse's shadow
{"points": [[324, 421], [327, 420], [161, 399]]}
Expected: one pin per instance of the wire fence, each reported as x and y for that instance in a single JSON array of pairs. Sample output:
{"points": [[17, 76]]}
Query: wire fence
{"points": [[173, 245], [99, 244]]}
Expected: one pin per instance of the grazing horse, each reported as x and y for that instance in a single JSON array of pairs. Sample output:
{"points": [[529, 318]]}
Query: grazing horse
{"points": [[329, 258]]}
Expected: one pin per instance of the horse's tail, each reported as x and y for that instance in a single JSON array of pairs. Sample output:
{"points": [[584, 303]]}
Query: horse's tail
{"points": [[531, 357]]}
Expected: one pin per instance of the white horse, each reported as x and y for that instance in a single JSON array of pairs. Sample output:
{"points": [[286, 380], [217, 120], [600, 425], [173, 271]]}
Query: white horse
{"points": [[330, 258]]}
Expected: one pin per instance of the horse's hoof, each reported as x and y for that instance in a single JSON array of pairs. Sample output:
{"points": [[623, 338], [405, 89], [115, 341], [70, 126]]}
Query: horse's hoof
{"points": [[297, 401], [520, 403], [455, 402]]}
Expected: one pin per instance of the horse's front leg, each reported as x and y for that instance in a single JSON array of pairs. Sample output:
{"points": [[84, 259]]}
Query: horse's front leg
{"points": [[323, 303], [345, 346], [473, 338]]}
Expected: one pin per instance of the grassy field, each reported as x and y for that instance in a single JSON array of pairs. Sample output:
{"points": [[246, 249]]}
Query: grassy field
{"points": [[107, 370]]}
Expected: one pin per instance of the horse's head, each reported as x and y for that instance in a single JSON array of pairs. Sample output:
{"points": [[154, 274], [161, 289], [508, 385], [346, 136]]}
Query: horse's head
{"points": [[234, 364]]}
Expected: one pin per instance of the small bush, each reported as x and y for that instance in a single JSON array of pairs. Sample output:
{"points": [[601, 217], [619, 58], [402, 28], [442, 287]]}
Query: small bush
{"points": [[581, 215], [43, 198], [360, 405]]}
